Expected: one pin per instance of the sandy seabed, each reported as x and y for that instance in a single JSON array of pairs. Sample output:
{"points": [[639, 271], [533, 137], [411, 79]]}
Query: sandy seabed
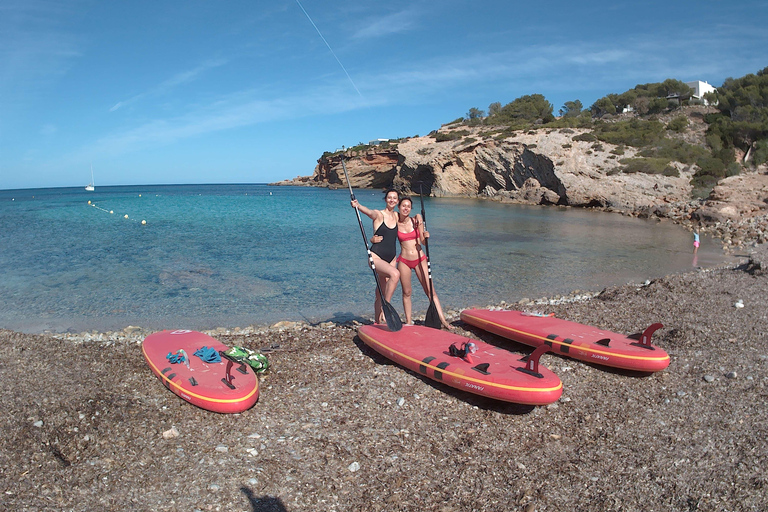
{"points": [[338, 427]]}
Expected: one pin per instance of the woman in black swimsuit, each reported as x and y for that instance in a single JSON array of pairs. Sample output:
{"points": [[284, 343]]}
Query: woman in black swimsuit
{"points": [[385, 251]]}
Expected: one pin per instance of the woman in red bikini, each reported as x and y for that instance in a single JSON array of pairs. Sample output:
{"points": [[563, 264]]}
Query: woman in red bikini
{"points": [[411, 234]]}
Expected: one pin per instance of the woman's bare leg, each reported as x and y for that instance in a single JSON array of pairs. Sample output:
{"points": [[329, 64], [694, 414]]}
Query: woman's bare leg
{"points": [[405, 282], [388, 278]]}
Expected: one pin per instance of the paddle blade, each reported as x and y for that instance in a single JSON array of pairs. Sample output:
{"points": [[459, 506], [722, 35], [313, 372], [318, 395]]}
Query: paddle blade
{"points": [[432, 319], [390, 315]]}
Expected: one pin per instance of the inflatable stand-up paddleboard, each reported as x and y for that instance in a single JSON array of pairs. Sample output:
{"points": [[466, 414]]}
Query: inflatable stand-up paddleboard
{"points": [[225, 386], [483, 369], [571, 339]]}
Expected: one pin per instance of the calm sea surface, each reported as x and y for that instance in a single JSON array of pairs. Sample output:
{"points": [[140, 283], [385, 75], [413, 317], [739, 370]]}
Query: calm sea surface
{"points": [[235, 255]]}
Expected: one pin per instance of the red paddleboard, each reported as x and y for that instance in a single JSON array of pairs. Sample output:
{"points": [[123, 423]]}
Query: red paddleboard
{"points": [[574, 340], [490, 371], [225, 386]]}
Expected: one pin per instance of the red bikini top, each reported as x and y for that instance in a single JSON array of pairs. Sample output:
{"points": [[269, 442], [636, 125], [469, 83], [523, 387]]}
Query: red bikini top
{"points": [[412, 235]]}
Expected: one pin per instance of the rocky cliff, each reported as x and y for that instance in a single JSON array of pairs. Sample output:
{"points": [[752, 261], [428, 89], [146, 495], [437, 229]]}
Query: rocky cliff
{"points": [[548, 167]]}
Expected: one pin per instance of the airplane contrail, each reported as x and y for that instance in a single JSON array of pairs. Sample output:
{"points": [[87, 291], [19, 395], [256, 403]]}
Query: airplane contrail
{"points": [[329, 47]]}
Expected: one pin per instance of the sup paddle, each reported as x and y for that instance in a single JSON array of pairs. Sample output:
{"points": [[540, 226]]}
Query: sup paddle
{"points": [[432, 318], [394, 323]]}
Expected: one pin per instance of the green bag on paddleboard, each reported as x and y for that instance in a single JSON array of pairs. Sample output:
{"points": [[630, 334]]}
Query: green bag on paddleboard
{"points": [[250, 357]]}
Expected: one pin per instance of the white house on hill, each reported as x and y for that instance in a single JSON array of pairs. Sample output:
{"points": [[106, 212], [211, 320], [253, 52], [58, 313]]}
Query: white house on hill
{"points": [[700, 89]]}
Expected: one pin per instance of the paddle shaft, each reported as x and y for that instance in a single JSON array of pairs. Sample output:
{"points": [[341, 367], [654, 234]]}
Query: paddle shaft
{"points": [[426, 244], [362, 231]]}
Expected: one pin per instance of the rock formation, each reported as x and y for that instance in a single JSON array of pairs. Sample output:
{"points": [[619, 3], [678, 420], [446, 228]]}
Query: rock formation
{"points": [[548, 167]]}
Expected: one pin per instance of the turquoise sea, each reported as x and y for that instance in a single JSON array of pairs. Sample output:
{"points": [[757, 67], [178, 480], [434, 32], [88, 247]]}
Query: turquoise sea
{"points": [[235, 255]]}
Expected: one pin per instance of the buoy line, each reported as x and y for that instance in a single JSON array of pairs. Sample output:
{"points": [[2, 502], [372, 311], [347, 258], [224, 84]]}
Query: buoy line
{"points": [[112, 212]]}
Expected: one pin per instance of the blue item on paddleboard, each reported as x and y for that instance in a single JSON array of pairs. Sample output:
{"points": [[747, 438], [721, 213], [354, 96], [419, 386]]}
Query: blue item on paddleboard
{"points": [[178, 357], [208, 355]]}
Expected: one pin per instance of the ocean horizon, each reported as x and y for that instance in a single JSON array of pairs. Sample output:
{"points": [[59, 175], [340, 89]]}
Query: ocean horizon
{"points": [[226, 255]]}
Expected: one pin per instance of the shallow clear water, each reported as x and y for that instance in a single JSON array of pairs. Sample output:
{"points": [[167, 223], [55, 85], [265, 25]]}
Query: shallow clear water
{"points": [[234, 255]]}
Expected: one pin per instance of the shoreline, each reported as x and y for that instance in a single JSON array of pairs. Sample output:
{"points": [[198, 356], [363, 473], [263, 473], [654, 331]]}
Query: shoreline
{"points": [[138, 333]]}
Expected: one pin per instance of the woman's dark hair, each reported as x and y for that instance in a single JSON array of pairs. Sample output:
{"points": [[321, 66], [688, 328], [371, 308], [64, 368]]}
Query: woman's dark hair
{"points": [[404, 198], [386, 193]]}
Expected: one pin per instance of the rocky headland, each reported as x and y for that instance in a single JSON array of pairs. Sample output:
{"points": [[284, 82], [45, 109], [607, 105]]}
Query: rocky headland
{"points": [[545, 166]]}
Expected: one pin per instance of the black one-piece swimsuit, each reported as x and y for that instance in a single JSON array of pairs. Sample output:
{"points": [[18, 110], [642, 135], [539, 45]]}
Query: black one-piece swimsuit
{"points": [[387, 248]]}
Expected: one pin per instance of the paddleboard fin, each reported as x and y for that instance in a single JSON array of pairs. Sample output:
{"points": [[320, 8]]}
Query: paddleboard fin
{"points": [[532, 362], [645, 338]]}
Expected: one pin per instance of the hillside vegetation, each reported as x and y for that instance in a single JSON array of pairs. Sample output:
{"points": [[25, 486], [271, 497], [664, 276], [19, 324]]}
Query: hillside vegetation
{"points": [[653, 118], [736, 135]]}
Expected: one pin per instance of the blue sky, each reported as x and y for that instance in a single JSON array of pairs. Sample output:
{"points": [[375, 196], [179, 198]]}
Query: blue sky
{"points": [[248, 92]]}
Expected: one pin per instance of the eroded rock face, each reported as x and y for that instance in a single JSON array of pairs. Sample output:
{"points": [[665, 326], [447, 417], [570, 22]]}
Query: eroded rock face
{"points": [[549, 167], [541, 167], [376, 169], [736, 197]]}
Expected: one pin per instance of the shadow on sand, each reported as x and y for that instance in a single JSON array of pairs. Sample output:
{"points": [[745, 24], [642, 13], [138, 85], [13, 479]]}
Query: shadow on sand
{"points": [[263, 503]]}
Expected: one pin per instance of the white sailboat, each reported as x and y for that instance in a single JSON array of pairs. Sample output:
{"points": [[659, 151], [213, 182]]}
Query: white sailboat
{"points": [[89, 187]]}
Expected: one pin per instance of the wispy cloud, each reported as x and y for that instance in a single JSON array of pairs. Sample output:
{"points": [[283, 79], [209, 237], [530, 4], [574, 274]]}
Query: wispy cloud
{"points": [[48, 129], [388, 24], [172, 83], [244, 108], [564, 68], [34, 49]]}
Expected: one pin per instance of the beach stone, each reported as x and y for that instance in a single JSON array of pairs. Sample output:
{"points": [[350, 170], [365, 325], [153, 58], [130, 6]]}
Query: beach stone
{"points": [[171, 433], [285, 325], [400, 401], [222, 448], [731, 375], [354, 467], [709, 378], [38, 424], [213, 487]]}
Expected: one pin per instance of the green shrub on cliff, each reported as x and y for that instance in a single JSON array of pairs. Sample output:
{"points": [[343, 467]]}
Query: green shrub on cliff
{"points": [[742, 121], [447, 136], [585, 137], [760, 153], [675, 149], [523, 111], [635, 132], [649, 166], [678, 124]]}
